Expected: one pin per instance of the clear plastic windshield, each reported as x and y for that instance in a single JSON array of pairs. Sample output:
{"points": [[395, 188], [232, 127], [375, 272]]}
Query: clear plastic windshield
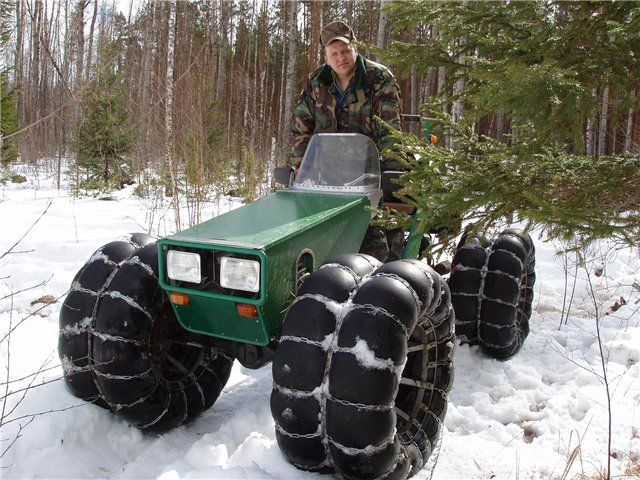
{"points": [[339, 162]]}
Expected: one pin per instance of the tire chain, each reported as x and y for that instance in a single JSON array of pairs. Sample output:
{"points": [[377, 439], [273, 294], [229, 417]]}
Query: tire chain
{"points": [[492, 292], [322, 447]]}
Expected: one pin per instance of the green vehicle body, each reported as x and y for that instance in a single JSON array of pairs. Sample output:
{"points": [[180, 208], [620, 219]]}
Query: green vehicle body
{"points": [[290, 232]]}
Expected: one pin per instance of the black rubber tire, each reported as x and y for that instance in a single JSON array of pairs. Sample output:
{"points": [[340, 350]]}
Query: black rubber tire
{"points": [[363, 369], [492, 291], [77, 314], [143, 365]]}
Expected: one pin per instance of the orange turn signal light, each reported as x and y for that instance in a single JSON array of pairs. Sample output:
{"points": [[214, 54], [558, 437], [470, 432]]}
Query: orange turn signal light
{"points": [[247, 310], [179, 298]]}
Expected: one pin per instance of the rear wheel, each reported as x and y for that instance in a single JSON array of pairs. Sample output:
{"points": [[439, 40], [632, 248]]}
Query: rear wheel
{"points": [[492, 291], [363, 370]]}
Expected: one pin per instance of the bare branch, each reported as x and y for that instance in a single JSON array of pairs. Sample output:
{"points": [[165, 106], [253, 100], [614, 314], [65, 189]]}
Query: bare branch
{"points": [[37, 310], [27, 388], [21, 251], [8, 367], [603, 361], [28, 230], [17, 436], [46, 412], [41, 284], [26, 377]]}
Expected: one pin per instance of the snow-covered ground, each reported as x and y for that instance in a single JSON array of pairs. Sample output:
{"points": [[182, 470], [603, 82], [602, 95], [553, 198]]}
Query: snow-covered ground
{"points": [[534, 416]]}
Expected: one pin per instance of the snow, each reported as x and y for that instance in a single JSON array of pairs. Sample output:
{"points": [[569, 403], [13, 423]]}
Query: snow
{"points": [[533, 416]]}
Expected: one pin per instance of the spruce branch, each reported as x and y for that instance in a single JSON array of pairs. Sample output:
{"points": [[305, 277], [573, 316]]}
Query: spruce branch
{"points": [[483, 181]]}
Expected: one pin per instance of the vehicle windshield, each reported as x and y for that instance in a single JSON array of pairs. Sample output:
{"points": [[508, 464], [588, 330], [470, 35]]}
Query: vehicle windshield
{"points": [[339, 162]]}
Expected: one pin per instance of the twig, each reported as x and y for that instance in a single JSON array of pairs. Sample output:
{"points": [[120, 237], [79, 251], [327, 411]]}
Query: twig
{"points": [[28, 230], [27, 388], [573, 290], [16, 380], [6, 388], [44, 282], [46, 412], [15, 439], [565, 269], [604, 372], [21, 251], [11, 330], [571, 360]]}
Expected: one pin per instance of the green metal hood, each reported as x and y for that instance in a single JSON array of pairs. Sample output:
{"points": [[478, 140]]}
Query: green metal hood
{"points": [[267, 222]]}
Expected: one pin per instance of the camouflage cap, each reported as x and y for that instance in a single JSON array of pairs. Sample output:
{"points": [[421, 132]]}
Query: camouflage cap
{"points": [[336, 31]]}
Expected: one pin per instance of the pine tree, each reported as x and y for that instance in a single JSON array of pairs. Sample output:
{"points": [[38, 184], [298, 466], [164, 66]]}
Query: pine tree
{"points": [[538, 64], [8, 121], [104, 137], [538, 61], [8, 112], [483, 181]]}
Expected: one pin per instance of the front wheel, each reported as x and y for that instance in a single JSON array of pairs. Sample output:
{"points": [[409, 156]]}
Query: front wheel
{"points": [[137, 360], [363, 369]]}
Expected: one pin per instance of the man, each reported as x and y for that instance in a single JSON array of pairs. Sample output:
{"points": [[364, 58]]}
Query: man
{"points": [[344, 95]]}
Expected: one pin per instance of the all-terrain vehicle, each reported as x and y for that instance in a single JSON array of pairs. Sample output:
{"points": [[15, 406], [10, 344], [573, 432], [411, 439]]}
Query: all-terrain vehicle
{"points": [[361, 350]]}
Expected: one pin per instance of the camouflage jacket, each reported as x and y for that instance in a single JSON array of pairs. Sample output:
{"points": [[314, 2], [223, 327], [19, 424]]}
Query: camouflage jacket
{"points": [[374, 91]]}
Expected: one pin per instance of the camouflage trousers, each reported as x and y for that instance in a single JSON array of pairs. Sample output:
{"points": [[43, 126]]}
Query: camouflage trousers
{"points": [[385, 245]]}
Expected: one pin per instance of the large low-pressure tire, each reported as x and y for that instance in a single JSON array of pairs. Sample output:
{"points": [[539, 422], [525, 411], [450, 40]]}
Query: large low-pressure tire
{"points": [[492, 291], [363, 369], [77, 315], [144, 366]]}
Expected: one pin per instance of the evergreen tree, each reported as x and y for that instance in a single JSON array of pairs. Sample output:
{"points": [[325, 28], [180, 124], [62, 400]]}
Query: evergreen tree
{"points": [[8, 113], [8, 121], [545, 65], [483, 181], [104, 136], [541, 62]]}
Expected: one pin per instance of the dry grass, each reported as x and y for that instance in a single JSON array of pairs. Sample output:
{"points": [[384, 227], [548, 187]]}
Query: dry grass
{"points": [[46, 299]]}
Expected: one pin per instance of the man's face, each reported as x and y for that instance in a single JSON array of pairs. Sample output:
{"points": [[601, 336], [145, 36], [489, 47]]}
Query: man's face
{"points": [[341, 57]]}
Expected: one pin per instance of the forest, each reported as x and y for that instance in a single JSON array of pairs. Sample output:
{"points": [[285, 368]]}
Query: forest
{"points": [[194, 99]]}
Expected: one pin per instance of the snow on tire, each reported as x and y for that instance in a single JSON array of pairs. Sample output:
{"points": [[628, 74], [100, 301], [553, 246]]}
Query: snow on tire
{"points": [[492, 292], [363, 369], [121, 345], [77, 315], [147, 368]]}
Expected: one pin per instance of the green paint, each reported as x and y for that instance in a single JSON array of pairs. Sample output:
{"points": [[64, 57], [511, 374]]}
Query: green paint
{"points": [[270, 220], [277, 229], [220, 318]]}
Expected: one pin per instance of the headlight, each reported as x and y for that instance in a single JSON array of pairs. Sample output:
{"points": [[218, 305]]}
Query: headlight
{"points": [[183, 266], [240, 274]]}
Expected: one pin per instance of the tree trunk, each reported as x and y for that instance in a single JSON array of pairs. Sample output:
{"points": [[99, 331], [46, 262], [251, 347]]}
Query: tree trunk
{"points": [[224, 48], [90, 46], [629, 130], [292, 33], [457, 111], [314, 55], [382, 27], [591, 131], [19, 56], [148, 72], [604, 117], [169, 164], [79, 28], [79, 51], [414, 91], [500, 126]]}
